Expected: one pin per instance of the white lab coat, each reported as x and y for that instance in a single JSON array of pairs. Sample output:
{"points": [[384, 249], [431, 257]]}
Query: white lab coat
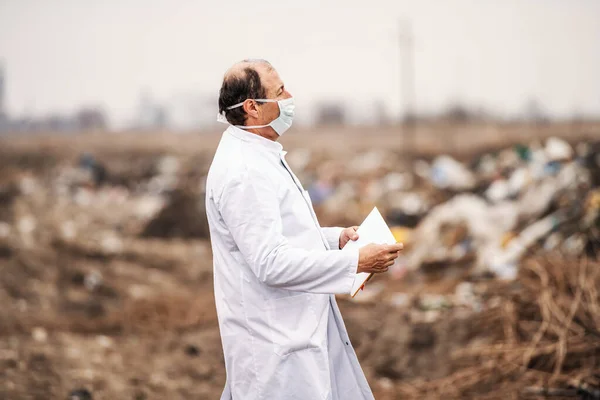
{"points": [[275, 273]]}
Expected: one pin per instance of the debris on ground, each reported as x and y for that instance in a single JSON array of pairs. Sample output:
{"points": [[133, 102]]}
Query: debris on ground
{"points": [[106, 272]]}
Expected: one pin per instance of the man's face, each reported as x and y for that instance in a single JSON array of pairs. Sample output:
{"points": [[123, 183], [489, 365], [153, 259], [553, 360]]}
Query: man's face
{"points": [[275, 89]]}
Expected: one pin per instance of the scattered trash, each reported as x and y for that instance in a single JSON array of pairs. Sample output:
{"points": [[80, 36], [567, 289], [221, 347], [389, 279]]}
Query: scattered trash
{"points": [[447, 173], [192, 351], [464, 295], [558, 150], [182, 216], [68, 230], [104, 341], [96, 169], [39, 334], [434, 302], [504, 262], [400, 300], [499, 190], [80, 394], [92, 280], [299, 159], [4, 229], [28, 185], [111, 243], [369, 162], [26, 225], [148, 206]]}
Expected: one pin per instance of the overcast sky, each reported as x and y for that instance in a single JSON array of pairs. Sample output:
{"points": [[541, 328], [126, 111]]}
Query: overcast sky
{"points": [[499, 54]]}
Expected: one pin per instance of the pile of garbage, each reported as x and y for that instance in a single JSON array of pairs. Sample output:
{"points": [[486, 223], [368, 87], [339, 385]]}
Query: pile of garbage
{"points": [[104, 201], [528, 217], [486, 214], [74, 218]]}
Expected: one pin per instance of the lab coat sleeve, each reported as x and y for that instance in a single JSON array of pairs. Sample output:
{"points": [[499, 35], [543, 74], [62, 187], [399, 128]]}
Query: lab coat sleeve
{"points": [[250, 210], [332, 235]]}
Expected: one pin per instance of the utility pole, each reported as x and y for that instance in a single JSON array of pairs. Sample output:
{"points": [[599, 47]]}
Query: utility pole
{"points": [[407, 78]]}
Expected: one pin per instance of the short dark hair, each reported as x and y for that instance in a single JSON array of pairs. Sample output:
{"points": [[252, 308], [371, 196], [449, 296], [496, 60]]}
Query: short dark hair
{"points": [[238, 87]]}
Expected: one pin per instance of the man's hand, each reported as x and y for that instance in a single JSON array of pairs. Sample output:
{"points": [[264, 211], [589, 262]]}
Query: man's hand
{"points": [[375, 258], [347, 235]]}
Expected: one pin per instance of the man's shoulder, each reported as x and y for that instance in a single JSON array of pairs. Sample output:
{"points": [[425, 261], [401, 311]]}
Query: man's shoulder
{"points": [[225, 168], [234, 157], [236, 162], [227, 154], [230, 164]]}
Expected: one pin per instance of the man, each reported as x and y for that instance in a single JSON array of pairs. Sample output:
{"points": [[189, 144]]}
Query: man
{"points": [[275, 269]]}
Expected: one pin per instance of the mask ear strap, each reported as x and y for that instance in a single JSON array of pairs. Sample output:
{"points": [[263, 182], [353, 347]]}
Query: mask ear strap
{"points": [[251, 127], [258, 100], [236, 105]]}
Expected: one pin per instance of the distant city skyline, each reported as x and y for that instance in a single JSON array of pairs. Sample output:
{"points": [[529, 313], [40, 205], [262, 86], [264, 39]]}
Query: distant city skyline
{"points": [[62, 55]]}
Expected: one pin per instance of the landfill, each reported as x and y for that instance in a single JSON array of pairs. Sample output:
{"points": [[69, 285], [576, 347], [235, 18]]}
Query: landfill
{"points": [[106, 272]]}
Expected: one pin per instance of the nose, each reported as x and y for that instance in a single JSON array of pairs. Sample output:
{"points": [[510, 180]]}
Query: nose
{"points": [[287, 95]]}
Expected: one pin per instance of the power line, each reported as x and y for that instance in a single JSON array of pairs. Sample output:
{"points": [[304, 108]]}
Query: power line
{"points": [[407, 80]]}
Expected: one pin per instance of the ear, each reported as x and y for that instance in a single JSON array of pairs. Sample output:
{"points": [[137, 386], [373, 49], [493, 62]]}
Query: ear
{"points": [[251, 108]]}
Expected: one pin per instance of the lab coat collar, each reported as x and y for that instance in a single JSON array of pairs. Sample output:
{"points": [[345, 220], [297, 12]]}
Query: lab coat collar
{"points": [[269, 145]]}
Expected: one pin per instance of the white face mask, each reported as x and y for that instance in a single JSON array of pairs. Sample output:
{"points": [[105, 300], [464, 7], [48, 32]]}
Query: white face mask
{"points": [[279, 124]]}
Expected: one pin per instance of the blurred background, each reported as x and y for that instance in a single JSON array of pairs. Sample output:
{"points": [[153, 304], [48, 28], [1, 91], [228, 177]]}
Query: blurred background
{"points": [[474, 126]]}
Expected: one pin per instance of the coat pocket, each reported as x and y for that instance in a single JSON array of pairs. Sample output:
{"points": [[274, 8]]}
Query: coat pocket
{"points": [[293, 324]]}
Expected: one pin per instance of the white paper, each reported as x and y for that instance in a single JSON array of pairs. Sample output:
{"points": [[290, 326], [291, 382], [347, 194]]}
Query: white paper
{"points": [[372, 230]]}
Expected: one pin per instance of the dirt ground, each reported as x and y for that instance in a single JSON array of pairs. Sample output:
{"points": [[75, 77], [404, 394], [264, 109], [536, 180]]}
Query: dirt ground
{"points": [[94, 308]]}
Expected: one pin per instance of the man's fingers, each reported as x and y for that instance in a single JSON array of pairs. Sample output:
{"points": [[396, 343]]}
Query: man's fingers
{"points": [[388, 264], [394, 248], [392, 256]]}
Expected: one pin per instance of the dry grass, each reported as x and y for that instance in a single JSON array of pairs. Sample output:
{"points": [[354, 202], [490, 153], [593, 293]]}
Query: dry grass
{"points": [[550, 343]]}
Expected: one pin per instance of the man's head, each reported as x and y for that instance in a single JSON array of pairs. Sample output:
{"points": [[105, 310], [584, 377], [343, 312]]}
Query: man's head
{"points": [[248, 80]]}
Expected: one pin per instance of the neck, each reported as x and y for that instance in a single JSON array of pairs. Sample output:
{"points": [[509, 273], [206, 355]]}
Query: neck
{"points": [[266, 132]]}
